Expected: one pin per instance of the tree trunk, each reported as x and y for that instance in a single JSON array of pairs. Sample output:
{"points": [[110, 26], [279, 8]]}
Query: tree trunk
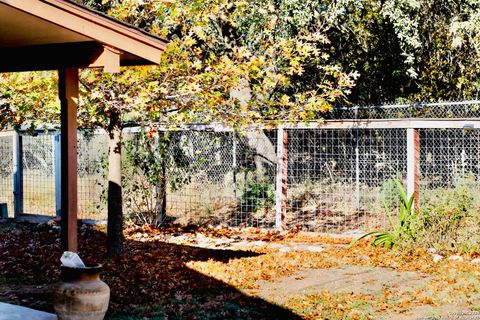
{"points": [[115, 212], [161, 189], [161, 197]]}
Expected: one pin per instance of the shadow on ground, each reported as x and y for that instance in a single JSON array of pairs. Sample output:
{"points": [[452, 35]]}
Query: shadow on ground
{"points": [[151, 280]]}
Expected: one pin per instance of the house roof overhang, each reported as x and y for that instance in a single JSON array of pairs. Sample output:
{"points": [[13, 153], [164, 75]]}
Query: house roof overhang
{"points": [[53, 34]]}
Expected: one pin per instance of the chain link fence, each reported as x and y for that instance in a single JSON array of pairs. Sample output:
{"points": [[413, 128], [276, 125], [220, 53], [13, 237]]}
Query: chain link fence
{"points": [[337, 179], [439, 110]]}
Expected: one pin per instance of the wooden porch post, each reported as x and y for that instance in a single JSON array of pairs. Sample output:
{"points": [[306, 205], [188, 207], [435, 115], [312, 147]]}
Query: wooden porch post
{"points": [[413, 165], [68, 93], [281, 179]]}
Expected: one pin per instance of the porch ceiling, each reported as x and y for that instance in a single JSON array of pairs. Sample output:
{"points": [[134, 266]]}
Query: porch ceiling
{"points": [[19, 29], [53, 34]]}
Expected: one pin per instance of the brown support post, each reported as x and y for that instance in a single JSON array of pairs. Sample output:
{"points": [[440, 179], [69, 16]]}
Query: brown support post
{"points": [[68, 94], [284, 179], [413, 165], [281, 179]]}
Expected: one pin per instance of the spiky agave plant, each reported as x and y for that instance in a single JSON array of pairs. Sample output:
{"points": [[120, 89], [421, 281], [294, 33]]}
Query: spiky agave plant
{"points": [[401, 227]]}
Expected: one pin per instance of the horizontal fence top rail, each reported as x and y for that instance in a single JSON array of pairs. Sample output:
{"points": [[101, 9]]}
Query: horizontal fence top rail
{"points": [[467, 123]]}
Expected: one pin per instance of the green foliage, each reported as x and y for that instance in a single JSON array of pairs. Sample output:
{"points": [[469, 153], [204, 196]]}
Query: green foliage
{"points": [[257, 195], [28, 99], [401, 225], [365, 39], [389, 193], [408, 50], [102, 5], [233, 62], [289, 59], [449, 219]]}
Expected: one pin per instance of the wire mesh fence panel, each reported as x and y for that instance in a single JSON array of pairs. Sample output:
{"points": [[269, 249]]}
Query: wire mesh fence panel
{"points": [[450, 160], [39, 175], [6, 172], [200, 176], [320, 176], [338, 180], [92, 175], [144, 171], [255, 154], [337, 177], [211, 177], [382, 160]]}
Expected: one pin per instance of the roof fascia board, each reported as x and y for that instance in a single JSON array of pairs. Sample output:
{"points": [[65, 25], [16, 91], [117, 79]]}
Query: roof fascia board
{"points": [[52, 57]]}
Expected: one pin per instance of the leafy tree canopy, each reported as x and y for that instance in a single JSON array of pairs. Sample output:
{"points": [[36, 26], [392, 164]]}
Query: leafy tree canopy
{"points": [[408, 50], [241, 62], [234, 62]]}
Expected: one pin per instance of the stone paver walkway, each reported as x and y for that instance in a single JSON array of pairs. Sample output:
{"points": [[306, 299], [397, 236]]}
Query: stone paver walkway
{"points": [[367, 280], [14, 312]]}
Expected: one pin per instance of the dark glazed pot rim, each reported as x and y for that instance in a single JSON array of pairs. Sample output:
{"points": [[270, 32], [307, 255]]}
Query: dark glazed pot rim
{"points": [[90, 272], [88, 267]]}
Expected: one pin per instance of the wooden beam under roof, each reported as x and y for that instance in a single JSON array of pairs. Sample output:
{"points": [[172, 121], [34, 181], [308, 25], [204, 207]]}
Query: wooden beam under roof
{"points": [[54, 57]]}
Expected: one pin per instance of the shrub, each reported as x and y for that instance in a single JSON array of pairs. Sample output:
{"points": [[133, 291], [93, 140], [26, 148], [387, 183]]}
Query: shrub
{"points": [[389, 196], [449, 219], [257, 195]]}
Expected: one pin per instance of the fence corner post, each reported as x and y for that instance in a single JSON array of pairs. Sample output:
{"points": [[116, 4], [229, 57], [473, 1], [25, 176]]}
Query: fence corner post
{"points": [[57, 171], [281, 178], [413, 165], [234, 164], [17, 174]]}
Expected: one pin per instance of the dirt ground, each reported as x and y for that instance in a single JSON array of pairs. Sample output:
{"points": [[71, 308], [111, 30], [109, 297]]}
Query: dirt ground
{"points": [[180, 273], [365, 280]]}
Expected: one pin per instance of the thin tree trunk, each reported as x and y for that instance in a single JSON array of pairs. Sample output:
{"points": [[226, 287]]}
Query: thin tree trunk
{"points": [[115, 213], [163, 183], [161, 189]]}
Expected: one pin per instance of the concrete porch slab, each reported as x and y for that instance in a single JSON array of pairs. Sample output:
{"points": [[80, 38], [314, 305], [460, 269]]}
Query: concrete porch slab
{"points": [[14, 312]]}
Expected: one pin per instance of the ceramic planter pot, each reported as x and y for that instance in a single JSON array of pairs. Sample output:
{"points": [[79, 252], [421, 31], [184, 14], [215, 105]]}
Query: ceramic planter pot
{"points": [[81, 295]]}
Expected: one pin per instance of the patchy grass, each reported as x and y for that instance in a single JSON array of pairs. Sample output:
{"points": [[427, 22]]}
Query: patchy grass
{"points": [[336, 306]]}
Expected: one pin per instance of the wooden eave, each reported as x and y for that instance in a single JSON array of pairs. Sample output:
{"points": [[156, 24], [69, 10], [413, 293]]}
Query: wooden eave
{"points": [[86, 39]]}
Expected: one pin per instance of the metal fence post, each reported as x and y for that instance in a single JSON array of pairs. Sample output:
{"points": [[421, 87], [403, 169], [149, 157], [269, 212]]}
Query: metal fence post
{"points": [[281, 179], [57, 171], [357, 172], [17, 174], [234, 164], [413, 165], [357, 167]]}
